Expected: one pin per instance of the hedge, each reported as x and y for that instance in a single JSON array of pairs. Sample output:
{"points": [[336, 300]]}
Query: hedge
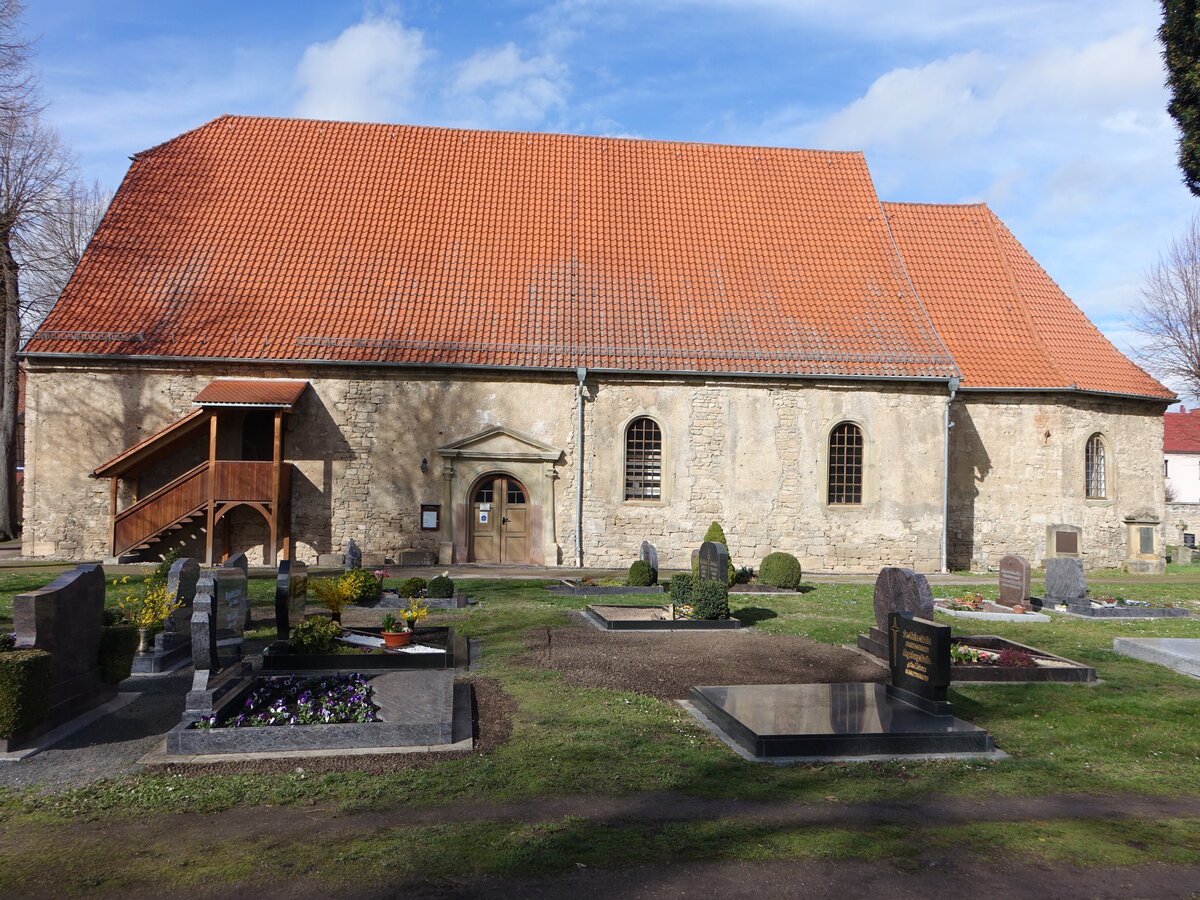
{"points": [[440, 587], [642, 574], [118, 644], [25, 678], [681, 589], [710, 600]]}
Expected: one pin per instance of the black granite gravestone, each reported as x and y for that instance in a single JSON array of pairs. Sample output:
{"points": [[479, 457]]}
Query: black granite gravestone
{"points": [[714, 562], [919, 657], [291, 596], [64, 619], [173, 645]]}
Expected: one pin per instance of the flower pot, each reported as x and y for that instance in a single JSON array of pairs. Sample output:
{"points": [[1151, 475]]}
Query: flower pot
{"points": [[393, 639]]}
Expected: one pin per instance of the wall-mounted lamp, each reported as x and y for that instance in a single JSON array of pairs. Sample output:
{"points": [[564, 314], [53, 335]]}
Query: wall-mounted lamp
{"points": [[424, 464]]}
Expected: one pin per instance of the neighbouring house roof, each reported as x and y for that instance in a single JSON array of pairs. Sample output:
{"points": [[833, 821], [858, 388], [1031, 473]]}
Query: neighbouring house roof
{"points": [[1181, 431], [1004, 320], [299, 240]]}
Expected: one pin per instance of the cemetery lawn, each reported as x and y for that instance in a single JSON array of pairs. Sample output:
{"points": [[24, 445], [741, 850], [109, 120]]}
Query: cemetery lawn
{"points": [[1099, 776]]}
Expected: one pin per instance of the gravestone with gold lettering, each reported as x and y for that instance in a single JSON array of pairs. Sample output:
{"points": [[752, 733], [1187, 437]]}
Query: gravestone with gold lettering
{"points": [[919, 656]]}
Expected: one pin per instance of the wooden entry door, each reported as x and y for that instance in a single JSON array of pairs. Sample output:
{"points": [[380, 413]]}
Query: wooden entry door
{"points": [[499, 521]]}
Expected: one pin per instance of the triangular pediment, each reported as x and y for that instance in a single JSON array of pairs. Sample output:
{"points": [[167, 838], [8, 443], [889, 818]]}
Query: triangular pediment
{"points": [[499, 442]]}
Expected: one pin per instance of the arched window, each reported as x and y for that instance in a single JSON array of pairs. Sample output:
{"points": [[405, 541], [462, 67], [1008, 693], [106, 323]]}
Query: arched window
{"points": [[846, 464], [643, 460], [1095, 476]]}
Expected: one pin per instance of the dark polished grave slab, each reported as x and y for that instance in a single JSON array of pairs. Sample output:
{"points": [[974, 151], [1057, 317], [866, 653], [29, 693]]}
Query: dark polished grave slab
{"points": [[1121, 612], [603, 617], [833, 720], [416, 708], [279, 657]]}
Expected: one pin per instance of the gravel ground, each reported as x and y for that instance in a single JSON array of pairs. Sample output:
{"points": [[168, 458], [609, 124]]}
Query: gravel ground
{"points": [[666, 665]]}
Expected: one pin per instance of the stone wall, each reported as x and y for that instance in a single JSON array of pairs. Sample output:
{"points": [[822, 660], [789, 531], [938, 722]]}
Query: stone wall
{"points": [[749, 454], [1017, 466]]}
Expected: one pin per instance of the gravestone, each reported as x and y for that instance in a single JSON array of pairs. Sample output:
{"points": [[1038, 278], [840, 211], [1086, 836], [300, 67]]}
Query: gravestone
{"points": [[64, 619], [649, 554], [239, 561], [919, 656], [1063, 541], [222, 594], [291, 596], [714, 562], [216, 671], [353, 556], [1064, 581], [172, 645], [1143, 544], [1189, 540], [901, 590], [1014, 581]]}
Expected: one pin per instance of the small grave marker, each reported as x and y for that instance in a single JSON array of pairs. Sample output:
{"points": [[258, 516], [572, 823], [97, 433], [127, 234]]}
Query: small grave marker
{"points": [[353, 556], [714, 562], [291, 596], [649, 554], [1014, 581]]}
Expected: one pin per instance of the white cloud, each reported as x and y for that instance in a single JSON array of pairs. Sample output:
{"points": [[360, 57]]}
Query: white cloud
{"points": [[367, 73], [498, 88]]}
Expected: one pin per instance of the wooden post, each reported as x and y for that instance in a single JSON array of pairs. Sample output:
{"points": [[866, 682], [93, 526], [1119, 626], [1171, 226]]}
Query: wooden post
{"points": [[212, 488], [276, 487], [112, 514]]}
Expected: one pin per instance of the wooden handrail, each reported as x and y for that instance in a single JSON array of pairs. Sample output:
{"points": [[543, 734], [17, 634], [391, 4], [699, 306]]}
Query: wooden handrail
{"points": [[162, 491], [161, 509]]}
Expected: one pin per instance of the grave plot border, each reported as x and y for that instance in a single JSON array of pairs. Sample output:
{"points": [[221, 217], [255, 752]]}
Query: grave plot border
{"points": [[1078, 674], [598, 591], [657, 625], [1120, 613], [278, 658]]}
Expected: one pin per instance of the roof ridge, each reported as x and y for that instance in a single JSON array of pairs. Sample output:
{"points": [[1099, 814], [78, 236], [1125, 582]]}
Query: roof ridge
{"points": [[975, 205], [201, 127], [504, 131]]}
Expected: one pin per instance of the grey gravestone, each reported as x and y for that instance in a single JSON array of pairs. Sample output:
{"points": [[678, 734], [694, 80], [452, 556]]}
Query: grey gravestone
{"points": [[223, 592], [649, 554], [238, 561], [204, 627], [1064, 581], [714, 562], [64, 619], [216, 674], [291, 596], [353, 556], [1014, 581], [901, 590], [173, 643], [919, 655], [329, 560]]}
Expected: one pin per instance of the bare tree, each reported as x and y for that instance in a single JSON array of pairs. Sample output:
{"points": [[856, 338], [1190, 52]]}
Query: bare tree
{"points": [[33, 171], [1168, 313]]}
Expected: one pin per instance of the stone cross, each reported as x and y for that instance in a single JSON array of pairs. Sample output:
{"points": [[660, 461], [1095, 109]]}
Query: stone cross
{"points": [[714, 562], [901, 590], [291, 596], [1064, 580], [1014, 581]]}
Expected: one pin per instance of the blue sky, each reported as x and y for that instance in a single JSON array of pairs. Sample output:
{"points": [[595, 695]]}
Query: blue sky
{"points": [[1052, 111]]}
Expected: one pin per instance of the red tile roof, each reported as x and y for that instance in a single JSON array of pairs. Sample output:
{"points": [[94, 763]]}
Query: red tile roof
{"points": [[1181, 431], [284, 239], [258, 392], [1004, 320]]}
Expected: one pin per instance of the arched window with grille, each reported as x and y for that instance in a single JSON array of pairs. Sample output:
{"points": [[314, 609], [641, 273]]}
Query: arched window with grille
{"points": [[1095, 469], [845, 464], [643, 460]]}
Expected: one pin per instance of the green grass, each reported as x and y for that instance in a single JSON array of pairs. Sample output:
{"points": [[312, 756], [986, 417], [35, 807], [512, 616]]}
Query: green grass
{"points": [[1133, 734]]}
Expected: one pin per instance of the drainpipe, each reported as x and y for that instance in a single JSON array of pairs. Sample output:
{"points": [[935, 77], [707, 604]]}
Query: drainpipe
{"points": [[582, 374], [953, 385]]}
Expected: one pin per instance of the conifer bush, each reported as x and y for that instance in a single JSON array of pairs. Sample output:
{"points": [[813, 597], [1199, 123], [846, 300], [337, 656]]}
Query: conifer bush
{"points": [[440, 587], [642, 574], [710, 600]]}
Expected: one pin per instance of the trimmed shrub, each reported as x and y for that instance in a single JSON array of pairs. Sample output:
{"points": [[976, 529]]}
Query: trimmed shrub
{"points": [[412, 587], [8, 641], [710, 600], [25, 677], [315, 635], [780, 570], [716, 534], [440, 587], [642, 574], [681, 589], [118, 645], [360, 586]]}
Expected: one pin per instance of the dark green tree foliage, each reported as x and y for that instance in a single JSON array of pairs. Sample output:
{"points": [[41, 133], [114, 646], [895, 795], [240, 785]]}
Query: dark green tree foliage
{"points": [[642, 574], [118, 646], [681, 588], [1180, 35], [710, 600], [440, 587]]}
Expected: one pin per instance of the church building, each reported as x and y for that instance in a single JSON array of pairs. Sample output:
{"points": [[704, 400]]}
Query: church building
{"points": [[516, 348]]}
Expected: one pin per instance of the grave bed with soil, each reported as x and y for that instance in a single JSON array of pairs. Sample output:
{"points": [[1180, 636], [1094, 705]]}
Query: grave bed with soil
{"points": [[432, 648], [1087, 610], [651, 618], [1047, 668]]}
